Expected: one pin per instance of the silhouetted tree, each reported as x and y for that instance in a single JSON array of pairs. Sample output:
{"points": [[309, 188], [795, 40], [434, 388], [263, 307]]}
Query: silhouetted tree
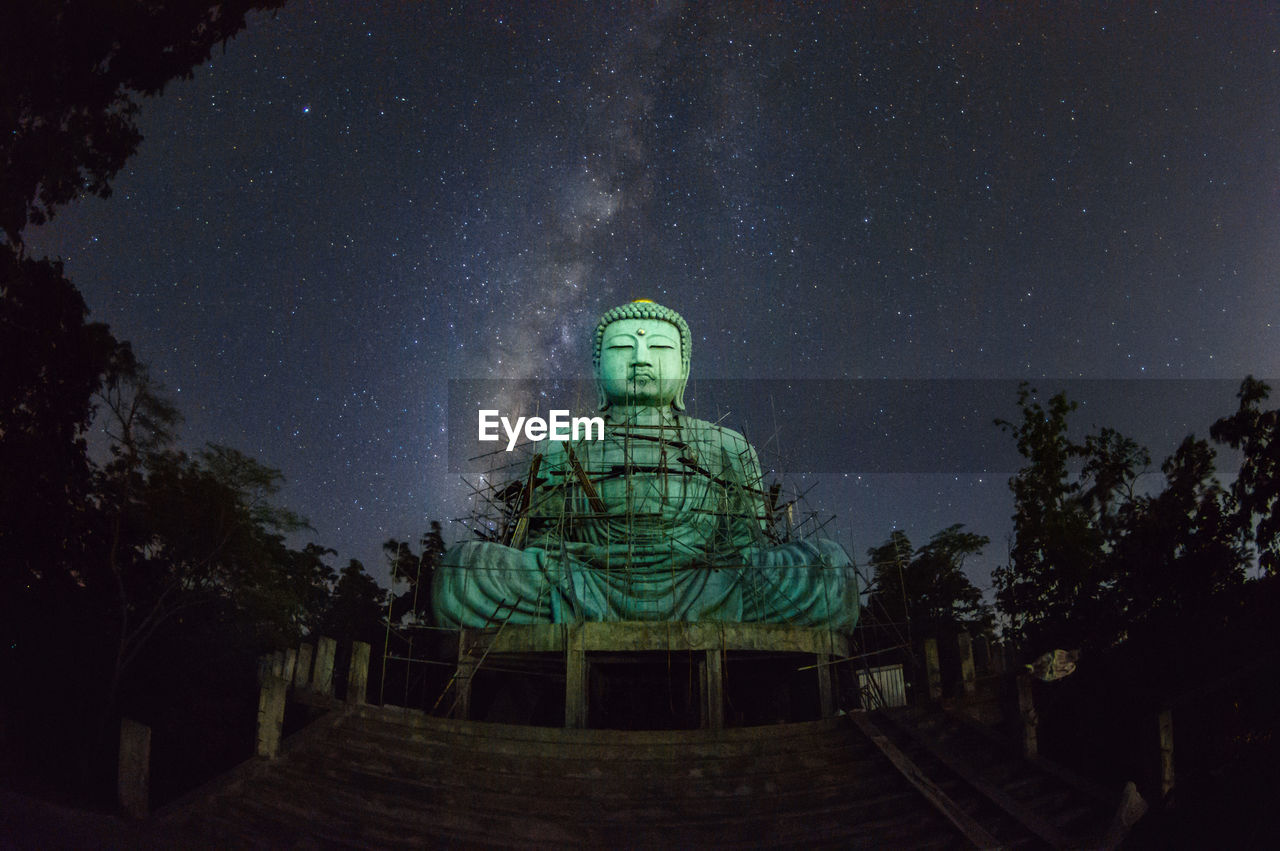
{"points": [[928, 587], [73, 73], [1053, 562], [356, 609], [1255, 493], [415, 572], [51, 364], [1177, 551]]}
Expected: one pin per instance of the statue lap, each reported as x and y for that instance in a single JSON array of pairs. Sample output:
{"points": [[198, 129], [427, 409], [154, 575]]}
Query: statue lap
{"points": [[681, 539]]}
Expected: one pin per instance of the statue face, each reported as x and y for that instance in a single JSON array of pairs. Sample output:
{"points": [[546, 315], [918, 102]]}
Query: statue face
{"points": [[640, 362]]}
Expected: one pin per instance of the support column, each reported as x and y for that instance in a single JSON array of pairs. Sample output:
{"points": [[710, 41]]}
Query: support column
{"points": [[467, 664], [358, 674], [322, 679], [713, 690], [968, 680], [271, 716], [826, 702], [932, 669], [575, 679], [133, 779]]}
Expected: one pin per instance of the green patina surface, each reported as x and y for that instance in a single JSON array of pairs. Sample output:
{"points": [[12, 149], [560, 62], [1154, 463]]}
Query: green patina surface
{"points": [[664, 519]]}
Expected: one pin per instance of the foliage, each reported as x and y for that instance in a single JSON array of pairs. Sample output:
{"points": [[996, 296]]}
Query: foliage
{"points": [[51, 363], [1056, 550], [73, 74], [414, 571], [1255, 493], [928, 588], [356, 609], [1095, 559]]}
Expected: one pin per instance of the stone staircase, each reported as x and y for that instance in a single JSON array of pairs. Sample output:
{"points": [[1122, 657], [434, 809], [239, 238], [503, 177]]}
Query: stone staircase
{"points": [[1021, 803], [384, 777]]}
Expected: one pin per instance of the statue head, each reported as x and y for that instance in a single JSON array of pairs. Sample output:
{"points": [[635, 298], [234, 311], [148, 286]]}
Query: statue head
{"points": [[641, 356]]}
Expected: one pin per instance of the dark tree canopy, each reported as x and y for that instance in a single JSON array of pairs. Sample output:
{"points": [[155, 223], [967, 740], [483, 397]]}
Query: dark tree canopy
{"points": [[1095, 558], [927, 587], [1255, 494], [414, 571], [51, 363], [1054, 557], [72, 73]]}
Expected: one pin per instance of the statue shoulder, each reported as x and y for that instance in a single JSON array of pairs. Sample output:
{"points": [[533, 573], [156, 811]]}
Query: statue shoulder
{"points": [[723, 450], [713, 435]]}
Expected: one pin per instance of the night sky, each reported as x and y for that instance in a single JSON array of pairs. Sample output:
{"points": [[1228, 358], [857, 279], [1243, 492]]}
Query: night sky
{"points": [[357, 203]]}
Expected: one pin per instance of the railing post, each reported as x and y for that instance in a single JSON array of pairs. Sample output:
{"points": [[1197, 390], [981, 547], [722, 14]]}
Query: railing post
{"points": [[271, 716], [932, 668], [1165, 727], [133, 778], [358, 674], [322, 679], [1027, 709], [302, 674], [982, 655], [968, 680]]}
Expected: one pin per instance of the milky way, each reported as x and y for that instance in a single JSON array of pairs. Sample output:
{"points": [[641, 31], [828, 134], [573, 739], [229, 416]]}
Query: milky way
{"points": [[357, 203]]}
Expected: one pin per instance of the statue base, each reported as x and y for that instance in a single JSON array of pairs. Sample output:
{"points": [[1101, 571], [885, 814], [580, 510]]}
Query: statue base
{"points": [[707, 648]]}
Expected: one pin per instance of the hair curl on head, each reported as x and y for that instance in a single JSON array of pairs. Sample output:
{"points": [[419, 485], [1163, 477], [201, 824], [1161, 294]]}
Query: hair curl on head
{"points": [[645, 309]]}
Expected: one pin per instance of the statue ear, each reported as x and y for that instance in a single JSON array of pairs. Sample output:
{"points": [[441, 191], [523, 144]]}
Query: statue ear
{"points": [[602, 401], [678, 404]]}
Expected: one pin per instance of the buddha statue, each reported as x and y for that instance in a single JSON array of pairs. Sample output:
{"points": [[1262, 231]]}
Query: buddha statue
{"points": [[664, 519]]}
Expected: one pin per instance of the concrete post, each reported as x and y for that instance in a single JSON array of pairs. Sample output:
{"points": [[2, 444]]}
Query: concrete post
{"points": [[277, 663], [133, 779], [968, 679], [933, 669], [358, 674], [322, 678], [575, 680], [982, 655], [1165, 727], [1027, 709], [290, 664], [271, 716], [997, 658], [713, 691], [302, 674]]}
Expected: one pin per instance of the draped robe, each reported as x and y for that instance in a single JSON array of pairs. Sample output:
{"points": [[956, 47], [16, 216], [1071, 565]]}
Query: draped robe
{"points": [[669, 525]]}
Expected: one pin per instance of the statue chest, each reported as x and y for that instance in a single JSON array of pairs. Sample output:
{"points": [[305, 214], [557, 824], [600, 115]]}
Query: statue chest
{"points": [[647, 478]]}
